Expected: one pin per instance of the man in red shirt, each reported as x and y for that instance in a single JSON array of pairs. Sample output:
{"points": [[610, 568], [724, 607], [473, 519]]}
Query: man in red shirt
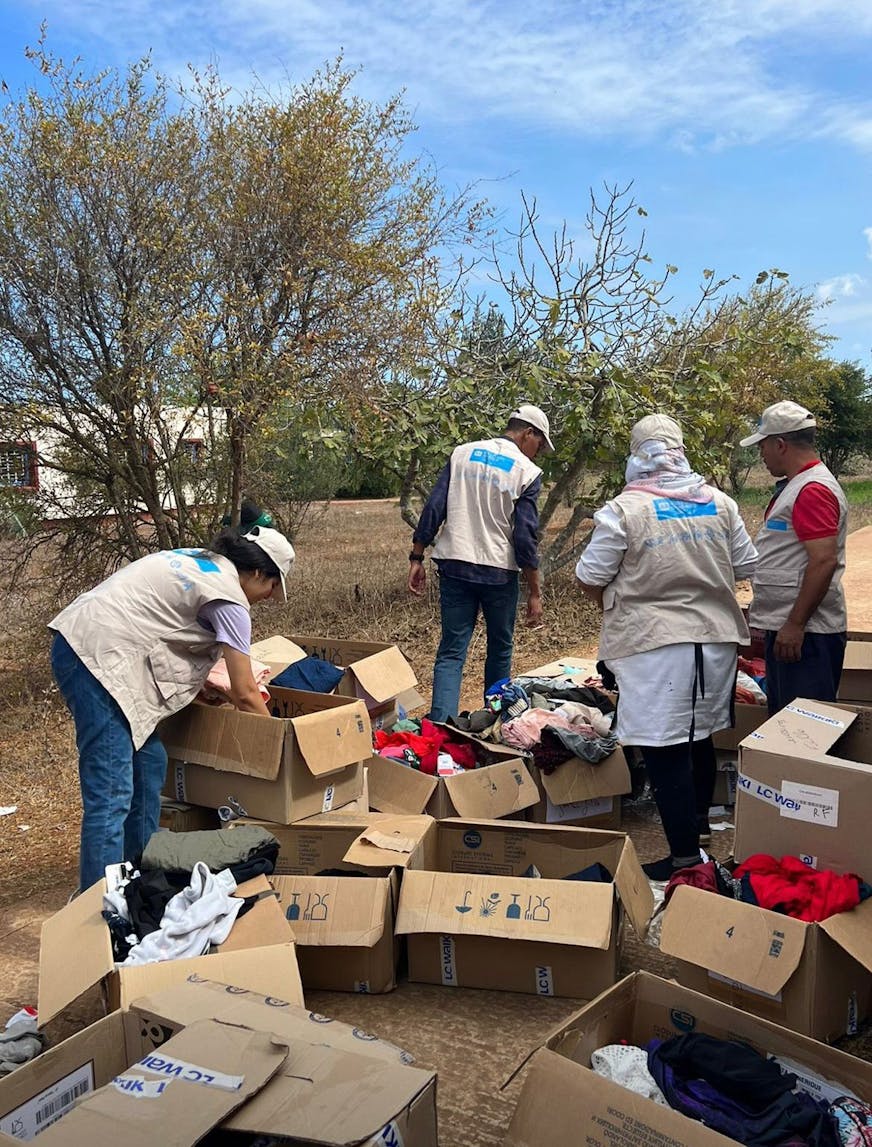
{"points": [[798, 598]]}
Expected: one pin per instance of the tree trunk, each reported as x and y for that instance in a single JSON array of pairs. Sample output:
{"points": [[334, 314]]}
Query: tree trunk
{"points": [[407, 489]]}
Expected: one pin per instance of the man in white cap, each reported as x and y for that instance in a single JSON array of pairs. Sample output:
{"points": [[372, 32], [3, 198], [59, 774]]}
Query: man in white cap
{"points": [[483, 508], [662, 564], [798, 598]]}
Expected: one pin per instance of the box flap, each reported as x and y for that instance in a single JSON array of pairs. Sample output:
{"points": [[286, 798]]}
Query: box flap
{"points": [[334, 738], [858, 656], [551, 911], [852, 931], [277, 652], [385, 674], [391, 842], [199, 999], [493, 791], [634, 889], [578, 667], [176, 1094], [740, 941], [804, 728], [271, 971], [78, 928], [396, 788], [263, 924], [332, 1096], [335, 911], [576, 780], [225, 739]]}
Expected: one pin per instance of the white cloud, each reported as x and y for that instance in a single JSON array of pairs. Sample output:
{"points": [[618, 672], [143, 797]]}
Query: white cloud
{"points": [[840, 287], [692, 72]]}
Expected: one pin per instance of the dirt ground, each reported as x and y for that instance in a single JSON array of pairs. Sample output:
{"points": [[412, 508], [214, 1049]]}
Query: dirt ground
{"points": [[349, 580]]}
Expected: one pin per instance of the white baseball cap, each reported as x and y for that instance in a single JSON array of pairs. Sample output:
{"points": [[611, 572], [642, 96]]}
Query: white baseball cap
{"points": [[780, 418], [537, 418], [659, 427], [277, 547]]}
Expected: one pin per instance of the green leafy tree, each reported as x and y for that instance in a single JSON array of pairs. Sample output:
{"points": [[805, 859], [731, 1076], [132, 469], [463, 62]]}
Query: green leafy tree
{"points": [[846, 430]]}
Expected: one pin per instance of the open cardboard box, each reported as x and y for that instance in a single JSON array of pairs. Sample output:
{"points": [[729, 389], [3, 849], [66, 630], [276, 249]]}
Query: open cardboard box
{"points": [[376, 672], [304, 760], [804, 789], [856, 680], [562, 1093], [75, 953], [578, 793], [501, 788], [464, 917], [337, 1085], [344, 925]]}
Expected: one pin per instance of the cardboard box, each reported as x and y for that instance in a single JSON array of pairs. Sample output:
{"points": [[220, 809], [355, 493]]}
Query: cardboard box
{"points": [[562, 1093], [258, 955], [748, 718], [304, 761], [474, 921], [344, 925], [805, 787], [175, 816], [578, 793], [503, 789], [812, 978], [338, 1085], [856, 679], [376, 672]]}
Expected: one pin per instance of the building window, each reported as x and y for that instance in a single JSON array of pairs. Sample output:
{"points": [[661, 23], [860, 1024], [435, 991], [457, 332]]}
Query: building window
{"points": [[193, 450], [18, 465]]}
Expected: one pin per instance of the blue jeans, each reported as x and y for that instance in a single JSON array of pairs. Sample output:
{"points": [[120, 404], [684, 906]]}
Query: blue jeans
{"points": [[120, 785], [459, 603], [816, 674]]}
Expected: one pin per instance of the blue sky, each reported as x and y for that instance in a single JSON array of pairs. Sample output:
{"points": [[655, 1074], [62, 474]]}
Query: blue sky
{"points": [[745, 124]]}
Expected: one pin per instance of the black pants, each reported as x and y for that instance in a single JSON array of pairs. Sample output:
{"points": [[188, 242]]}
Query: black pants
{"points": [[816, 674], [683, 780]]}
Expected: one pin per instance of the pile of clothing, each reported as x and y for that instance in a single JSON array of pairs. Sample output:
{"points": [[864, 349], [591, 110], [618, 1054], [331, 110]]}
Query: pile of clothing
{"points": [[789, 886], [731, 1088], [549, 720], [180, 902], [428, 748], [217, 690], [751, 681]]}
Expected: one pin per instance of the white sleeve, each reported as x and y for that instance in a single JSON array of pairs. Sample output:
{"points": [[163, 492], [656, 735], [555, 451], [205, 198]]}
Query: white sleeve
{"points": [[601, 559], [743, 551]]}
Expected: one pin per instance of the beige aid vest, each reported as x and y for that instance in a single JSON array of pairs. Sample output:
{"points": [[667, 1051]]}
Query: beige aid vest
{"points": [[138, 632], [676, 581], [783, 559], [487, 479]]}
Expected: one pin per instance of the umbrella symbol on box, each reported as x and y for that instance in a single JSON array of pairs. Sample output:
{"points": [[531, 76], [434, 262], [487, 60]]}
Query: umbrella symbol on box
{"points": [[465, 906]]}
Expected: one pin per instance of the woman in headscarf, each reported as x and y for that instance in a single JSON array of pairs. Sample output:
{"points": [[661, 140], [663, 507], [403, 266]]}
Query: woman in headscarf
{"points": [[662, 564]]}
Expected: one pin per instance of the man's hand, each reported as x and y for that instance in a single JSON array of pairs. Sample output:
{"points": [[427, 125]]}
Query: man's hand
{"points": [[417, 578], [534, 609], [788, 642]]}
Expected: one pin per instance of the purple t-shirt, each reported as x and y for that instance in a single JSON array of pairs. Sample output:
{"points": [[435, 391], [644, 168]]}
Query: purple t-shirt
{"points": [[231, 623]]}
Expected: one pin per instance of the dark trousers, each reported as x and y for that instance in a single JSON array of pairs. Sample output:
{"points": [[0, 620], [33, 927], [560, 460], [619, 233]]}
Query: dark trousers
{"points": [[816, 674], [683, 781], [460, 602]]}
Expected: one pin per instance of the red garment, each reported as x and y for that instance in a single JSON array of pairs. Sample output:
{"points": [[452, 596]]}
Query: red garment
{"points": [[815, 511], [425, 745], [789, 886], [753, 666], [697, 876]]}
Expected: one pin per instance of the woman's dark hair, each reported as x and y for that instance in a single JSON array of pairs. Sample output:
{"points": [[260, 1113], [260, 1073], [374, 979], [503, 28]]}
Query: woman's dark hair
{"points": [[245, 555]]}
